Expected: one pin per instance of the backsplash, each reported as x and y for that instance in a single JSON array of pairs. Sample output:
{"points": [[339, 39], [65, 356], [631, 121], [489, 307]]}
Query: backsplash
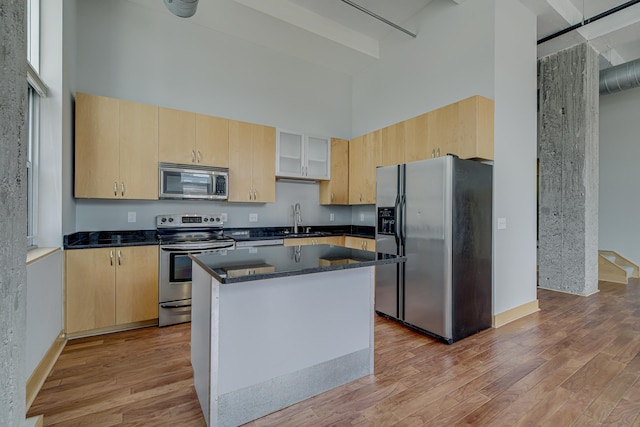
{"points": [[93, 214]]}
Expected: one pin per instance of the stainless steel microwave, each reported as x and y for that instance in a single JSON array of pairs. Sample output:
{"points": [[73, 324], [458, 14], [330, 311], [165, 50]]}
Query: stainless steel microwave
{"points": [[192, 182]]}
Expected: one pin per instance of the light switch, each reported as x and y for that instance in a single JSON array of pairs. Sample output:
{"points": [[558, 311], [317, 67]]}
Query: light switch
{"points": [[224, 217], [131, 216], [361, 217], [502, 223], [253, 217], [332, 217]]}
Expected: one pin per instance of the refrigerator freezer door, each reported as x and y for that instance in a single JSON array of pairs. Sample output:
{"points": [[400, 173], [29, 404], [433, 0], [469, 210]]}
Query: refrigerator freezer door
{"points": [[386, 299], [427, 287]]}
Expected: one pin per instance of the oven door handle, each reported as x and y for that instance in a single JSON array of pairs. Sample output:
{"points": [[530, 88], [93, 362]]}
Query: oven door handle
{"points": [[175, 305], [194, 250]]}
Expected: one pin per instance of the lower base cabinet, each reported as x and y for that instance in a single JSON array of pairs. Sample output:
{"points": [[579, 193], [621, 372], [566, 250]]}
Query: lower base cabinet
{"points": [[107, 287], [328, 240], [361, 243]]}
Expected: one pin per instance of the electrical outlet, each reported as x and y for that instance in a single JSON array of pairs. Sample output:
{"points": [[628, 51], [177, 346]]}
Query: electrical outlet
{"points": [[131, 216], [224, 217], [253, 217], [332, 217], [361, 217], [502, 223]]}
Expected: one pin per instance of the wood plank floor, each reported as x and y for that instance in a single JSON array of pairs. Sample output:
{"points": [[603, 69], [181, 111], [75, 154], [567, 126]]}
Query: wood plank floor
{"points": [[576, 362]]}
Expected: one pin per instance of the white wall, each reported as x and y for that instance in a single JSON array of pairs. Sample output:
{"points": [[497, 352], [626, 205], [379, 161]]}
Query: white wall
{"points": [[68, 90], [514, 173], [451, 59], [484, 47], [107, 215], [131, 52], [44, 308], [619, 173]]}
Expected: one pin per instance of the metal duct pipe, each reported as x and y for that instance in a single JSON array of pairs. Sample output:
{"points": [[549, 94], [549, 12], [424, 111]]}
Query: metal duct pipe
{"points": [[182, 8], [621, 77]]}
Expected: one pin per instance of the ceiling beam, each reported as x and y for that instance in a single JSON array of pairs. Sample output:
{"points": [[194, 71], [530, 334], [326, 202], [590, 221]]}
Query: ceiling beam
{"points": [[316, 24]]}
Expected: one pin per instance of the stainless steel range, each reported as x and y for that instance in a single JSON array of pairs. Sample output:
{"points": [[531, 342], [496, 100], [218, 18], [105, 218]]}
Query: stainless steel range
{"points": [[179, 236]]}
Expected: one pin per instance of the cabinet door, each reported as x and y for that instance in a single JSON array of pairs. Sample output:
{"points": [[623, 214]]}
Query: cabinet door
{"points": [[304, 241], [330, 240], [264, 165], [318, 157], [336, 191], [373, 159], [289, 154], [89, 289], [136, 290], [177, 136], [357, 166], [212, 141], [392, 144], [360, 243], [96, 147], [240, 162], [138, 151], [417, 145]]}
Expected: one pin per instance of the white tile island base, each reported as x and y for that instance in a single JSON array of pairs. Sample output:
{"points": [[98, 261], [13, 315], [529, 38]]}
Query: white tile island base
{"points": [[259, 346]]}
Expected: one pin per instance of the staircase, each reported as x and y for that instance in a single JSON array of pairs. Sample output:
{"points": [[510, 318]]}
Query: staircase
{"points": [[613, 267]]}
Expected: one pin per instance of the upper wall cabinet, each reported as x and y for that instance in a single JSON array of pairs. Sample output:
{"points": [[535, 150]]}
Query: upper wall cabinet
{"points": [[188, 138], [116, 149], [252, 148], [336, 190], [464, 128], [364, 156], [302, 156]]}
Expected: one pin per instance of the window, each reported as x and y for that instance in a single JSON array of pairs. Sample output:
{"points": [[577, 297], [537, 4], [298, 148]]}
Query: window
{"points": [[36, 90], [32, 166]]}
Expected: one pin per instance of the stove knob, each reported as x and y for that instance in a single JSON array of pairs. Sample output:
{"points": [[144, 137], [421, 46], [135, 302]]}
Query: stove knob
{"points": [[218, 219], [206, 219], [170, 219], [164, 219]]}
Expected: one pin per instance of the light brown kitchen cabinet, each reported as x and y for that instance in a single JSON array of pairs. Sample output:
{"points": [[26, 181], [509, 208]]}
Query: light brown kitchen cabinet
{"points": [[364, 157], [417, 145], [464, 128], [106, 287], [361, 243], [336, 190], [392, 144], [116, 149], [190, 138], [325, 240], [252, 150]]}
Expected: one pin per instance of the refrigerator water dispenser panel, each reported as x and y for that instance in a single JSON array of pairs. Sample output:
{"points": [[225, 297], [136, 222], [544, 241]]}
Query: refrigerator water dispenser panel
{"points": [[387, 220]]}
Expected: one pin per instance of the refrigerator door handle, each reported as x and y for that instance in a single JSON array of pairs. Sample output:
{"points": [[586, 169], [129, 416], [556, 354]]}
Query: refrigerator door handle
{"points": [[396, 229], [403, 216]]}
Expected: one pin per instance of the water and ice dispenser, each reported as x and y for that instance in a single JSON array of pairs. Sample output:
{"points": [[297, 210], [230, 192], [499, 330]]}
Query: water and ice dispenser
{"points": [[387, 220]]}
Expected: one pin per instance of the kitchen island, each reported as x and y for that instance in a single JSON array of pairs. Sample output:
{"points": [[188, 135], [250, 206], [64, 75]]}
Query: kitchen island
{"points": [[272, 326]]}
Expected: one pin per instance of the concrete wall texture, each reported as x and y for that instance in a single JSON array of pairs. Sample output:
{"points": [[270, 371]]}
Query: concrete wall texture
{"points": [[568, 152], [13, 211]]}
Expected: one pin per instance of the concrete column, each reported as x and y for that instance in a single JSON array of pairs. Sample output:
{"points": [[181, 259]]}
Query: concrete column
{"points": [[13, 211], [568, 181]]}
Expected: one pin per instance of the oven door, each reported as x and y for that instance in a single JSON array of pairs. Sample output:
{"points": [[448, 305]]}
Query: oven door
{"points": [[175, 269]]}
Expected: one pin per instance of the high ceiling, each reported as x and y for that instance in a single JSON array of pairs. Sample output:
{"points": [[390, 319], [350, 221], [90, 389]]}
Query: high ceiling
{"points": [[337, 35]]}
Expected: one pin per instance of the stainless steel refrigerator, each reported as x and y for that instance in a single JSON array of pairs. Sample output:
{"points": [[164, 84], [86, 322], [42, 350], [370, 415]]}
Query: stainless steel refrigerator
{"points": [[436, 212]]}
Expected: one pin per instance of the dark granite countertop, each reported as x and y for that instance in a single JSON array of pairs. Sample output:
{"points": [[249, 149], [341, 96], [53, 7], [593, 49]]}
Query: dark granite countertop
{"points": [[99, 239], [267, 262], [264, 233]]}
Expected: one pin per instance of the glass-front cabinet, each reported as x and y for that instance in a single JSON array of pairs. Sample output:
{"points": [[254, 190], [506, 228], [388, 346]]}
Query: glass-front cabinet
{"points": [[302, 156]]}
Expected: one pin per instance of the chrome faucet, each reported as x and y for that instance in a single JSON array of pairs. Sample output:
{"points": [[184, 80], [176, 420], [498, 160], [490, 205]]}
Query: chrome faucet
{"points": [[297, 217]]}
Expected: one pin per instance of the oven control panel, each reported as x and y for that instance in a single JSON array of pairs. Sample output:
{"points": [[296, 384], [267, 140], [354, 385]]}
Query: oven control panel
{"points": [[188, 220]]}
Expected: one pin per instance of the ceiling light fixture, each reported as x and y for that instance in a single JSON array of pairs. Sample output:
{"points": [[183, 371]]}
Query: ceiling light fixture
{"points": [[182, 8], [378, 17]]}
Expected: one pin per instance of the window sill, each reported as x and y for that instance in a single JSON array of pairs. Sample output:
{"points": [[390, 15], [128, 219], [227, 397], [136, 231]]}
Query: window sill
{"points": [[37, 253]]}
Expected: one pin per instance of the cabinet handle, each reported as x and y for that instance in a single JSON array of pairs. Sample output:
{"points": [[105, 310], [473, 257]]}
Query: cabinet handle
{"points": [[111, 257], [250, 195], [119, 257], [123, 189], [115, 188], [199, 156], [193, 156], [255, 197], [332, 197], [360, 196], [433, 153], [438, 152]]}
